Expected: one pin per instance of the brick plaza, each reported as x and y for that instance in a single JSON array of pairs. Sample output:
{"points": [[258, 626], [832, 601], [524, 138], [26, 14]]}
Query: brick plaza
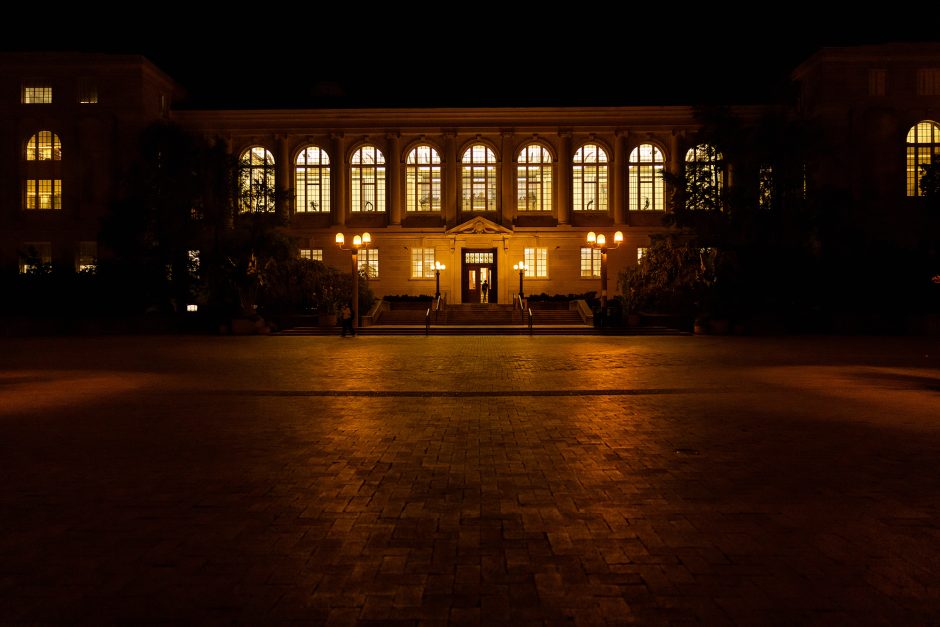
{"points": [[470, 480]]}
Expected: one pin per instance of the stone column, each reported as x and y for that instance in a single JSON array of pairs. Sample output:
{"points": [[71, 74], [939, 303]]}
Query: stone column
{"points": [[393, 163], [282, 169], [451, 168], [618, 179], [508, 204], [674, 166], [563, 176], [340, 180]]}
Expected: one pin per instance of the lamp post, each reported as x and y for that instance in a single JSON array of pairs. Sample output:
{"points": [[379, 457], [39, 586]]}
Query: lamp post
{"points": [[599, 241], [358, 242], [521, 267], [438, 266]]}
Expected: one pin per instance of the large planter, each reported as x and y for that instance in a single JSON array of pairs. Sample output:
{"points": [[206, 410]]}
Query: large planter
{"points": [[326, 320]]}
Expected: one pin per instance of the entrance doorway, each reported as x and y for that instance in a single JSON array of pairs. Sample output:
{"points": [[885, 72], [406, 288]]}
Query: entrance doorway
{"points": [[478, 266]]}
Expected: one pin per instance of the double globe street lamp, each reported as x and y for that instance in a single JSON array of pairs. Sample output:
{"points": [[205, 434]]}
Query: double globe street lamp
{"points": [[358, 242], [598, 241]]}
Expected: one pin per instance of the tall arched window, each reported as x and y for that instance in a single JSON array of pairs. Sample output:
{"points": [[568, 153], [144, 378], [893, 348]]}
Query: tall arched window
{"points": [[923, 142], [43, 182], [589, 178], [423, 179], [478, 179], [312, 181], [367, 174], [646, 178], [44, 146], [704, 177], [256, 180], [534, 179]]}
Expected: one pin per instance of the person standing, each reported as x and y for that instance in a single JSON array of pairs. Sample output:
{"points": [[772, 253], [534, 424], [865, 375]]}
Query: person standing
{"points": [[485, 291], [345, 316]]}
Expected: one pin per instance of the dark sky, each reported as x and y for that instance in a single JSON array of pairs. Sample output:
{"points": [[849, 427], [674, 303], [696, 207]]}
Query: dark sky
{"points": [[494, 55]]}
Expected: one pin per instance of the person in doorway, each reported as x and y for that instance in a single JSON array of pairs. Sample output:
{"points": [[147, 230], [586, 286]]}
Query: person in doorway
{"points": [[485, 291], [346, 318]]}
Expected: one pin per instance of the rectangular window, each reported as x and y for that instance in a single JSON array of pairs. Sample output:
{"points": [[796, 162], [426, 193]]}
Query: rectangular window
{"points": [[369, 262], [36, 257], [876, 82], [313, 254], [765, 188], [536, 259], [422, 263], [87, 256], [37, 92], [43, 194], [87, 92], [928, 82], [640, 253], [590, 263], [478, 257]]}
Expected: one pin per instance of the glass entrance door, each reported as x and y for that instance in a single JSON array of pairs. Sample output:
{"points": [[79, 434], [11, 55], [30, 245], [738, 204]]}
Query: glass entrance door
{"points": [[479, 276]]}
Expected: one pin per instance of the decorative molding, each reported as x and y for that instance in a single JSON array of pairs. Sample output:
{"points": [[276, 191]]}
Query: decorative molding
{"points": [[479, 226]]}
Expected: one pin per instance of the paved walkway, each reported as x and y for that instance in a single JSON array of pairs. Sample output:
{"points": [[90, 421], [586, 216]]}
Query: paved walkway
{"points": [[470, 480]]}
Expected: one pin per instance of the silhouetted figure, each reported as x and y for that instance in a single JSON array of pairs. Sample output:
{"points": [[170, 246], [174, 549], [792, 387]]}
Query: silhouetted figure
{"points": [[485, 290], [346, 318]]}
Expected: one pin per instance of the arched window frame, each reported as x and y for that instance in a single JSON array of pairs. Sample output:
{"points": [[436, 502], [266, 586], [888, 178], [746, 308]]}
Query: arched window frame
{"points": [[478, 169], [534, 166], [590, 178], [312, 180], [923, 143], [367, 180], [256, 180], [423, 185], [42, 185], [647, 190], [704, 175]]}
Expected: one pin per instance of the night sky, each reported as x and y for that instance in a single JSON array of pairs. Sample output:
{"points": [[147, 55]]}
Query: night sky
{"points": [[495, 56]]}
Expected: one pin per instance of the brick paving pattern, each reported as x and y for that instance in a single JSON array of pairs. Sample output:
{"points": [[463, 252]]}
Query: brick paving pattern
{"points": [[470, 480]]}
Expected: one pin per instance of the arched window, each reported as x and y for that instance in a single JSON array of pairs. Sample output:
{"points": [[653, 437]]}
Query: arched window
{"points": [[534, 179], [646, 178], [44, 146], [704, 177], [256, 180], [923, 142], [589, 174], [424, 179], [367, 173], [43, 181], [478, 189], [312, 181]]}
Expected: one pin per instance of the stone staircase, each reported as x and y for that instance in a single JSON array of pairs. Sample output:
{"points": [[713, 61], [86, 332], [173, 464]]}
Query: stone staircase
{"points": [[479, 314]]}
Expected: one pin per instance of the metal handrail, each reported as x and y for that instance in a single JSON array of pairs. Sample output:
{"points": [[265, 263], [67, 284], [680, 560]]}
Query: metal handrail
{"points": [[529, 309], [427, 322]]}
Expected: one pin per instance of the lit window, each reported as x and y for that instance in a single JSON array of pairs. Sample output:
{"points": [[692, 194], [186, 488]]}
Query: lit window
{"points": [[704, 177], [536, 259], [928, 82], [192, 263], [37, 93], [369, 262], [256, 181], [87, 256], [423, 179], [923, 142], [43, 194], [765, 187], [312, 181], [640, 253], [422, 263], [646, 178], [367, 173], [478, 189], [44, 146], [36, 257], [313, 254], [87, 92], [589, 173], [534, 179], [590, 263]]}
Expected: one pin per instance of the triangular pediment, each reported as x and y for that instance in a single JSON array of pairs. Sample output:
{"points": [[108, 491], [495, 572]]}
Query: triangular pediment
{"points": [[479, 226]]}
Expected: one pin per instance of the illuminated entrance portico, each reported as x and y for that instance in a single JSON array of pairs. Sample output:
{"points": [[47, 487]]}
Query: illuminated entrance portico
{"points": [[478, 245], [479, 267]]}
